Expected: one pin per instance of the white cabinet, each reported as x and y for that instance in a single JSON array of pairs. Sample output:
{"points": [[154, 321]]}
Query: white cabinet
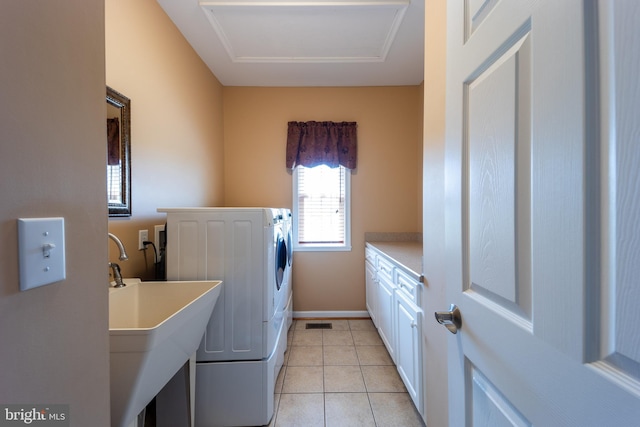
{"points": [[409, 346], [393, 302], [371, 284], [408, 284], [386, 319]]}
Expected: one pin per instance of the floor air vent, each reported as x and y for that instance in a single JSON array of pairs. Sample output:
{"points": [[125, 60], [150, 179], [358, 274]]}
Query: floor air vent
{"points": [[319, 326]]}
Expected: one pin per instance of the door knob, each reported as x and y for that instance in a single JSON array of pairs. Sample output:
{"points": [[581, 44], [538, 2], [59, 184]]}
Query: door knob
{"points": [[450, 319]]}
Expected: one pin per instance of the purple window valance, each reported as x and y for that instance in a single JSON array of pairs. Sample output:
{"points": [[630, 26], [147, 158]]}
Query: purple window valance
{"points": [[322, 143], [113, 142]]}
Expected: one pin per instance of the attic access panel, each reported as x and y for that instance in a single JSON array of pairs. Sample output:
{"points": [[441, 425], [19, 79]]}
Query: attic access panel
{"points": [[306, 31]]}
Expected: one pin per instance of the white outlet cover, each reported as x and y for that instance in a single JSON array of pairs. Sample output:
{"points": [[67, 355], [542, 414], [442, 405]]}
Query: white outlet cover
{"points": [[41, 251]]}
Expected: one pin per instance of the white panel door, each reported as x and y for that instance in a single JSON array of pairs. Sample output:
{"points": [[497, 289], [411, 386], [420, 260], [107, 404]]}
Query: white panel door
{"points": [[542, 207]]}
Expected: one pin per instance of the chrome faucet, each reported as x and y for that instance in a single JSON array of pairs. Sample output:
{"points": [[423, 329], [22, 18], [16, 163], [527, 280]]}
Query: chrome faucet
{"points": [[117, 276], [123, 253]]}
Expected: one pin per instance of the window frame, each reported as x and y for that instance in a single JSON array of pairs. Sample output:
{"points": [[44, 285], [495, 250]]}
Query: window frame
{"points": [[323, 247]]}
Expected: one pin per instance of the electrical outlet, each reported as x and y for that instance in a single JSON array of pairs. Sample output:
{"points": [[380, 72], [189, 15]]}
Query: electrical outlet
{"points": [[143, 236]]}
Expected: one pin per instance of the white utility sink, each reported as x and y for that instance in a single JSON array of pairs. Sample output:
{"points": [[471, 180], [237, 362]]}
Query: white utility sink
{"points": [[154, 328]]}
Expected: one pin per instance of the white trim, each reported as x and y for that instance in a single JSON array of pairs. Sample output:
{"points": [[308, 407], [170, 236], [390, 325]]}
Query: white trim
{"points": [[330, 314]]}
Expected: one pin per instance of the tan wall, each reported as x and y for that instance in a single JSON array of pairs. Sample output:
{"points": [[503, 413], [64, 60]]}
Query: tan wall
{"points": [[386, 187], [176, 122], [54, 339], [434, 294]]}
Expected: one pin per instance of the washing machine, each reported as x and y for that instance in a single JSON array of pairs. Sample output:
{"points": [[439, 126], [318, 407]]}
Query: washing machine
{"points": [[243, 347]]}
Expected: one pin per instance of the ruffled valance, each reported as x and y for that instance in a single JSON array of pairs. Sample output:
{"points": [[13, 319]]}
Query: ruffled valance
{"points": [[113, 142], [322, 143]]}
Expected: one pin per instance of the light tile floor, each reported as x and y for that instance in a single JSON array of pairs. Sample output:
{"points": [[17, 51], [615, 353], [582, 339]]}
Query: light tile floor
{"points": [[342, 377]]}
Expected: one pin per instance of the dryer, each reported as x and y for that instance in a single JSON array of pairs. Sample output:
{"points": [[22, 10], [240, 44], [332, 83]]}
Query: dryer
{"points": [[288, 291], [243, 348]]}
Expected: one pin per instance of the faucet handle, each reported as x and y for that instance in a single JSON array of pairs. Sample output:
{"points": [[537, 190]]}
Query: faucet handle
{"points": [[117, 276]]}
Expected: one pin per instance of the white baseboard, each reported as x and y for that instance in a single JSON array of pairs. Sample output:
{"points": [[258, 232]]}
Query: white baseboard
{"points": [[330, 314]]}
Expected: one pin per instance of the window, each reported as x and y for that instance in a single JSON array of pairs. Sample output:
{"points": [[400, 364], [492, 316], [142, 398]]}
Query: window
{"points": [[321, 208], [114, 183]]}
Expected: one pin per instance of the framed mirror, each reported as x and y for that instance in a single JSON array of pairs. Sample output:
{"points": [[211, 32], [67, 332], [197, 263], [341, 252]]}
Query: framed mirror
{"points": [[118, 153]]}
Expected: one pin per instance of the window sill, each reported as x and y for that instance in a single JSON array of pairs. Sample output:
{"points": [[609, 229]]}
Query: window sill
{"points": [[322, 248]]}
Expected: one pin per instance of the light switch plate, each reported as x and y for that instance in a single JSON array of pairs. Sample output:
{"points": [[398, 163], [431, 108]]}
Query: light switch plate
{"points": [[41, 251]]}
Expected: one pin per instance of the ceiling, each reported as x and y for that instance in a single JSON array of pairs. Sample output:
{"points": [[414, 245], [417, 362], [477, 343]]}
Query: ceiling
{"points": [[305, 42]]}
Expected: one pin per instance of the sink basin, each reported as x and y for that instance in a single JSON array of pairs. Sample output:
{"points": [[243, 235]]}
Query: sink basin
{"points": [[154, 328]]}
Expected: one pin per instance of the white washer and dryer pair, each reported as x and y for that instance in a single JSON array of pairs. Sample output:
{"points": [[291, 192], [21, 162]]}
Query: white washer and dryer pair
{"points": [[243, 348]]}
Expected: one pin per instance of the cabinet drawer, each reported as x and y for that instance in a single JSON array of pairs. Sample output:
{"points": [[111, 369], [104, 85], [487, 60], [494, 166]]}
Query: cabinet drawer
{"points": [[370, 256], [408, 285], [385, 268]]}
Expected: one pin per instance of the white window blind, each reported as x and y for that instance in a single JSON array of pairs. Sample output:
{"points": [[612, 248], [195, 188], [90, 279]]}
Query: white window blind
{"points": [[322, 205], [114, 184]]}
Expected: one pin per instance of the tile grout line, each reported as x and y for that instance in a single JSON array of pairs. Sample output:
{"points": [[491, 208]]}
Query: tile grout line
{"points": [[323, 346]]}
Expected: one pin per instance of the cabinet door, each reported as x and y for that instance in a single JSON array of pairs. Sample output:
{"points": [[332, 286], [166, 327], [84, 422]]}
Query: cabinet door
{"points": [[371, 288], [386, 323], [409, 349]]}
